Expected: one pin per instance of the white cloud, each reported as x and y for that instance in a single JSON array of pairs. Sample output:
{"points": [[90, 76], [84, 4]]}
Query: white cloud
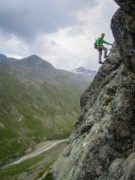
{"points": [[69, 46], [73, 46], [63, 62], [11, 45]]}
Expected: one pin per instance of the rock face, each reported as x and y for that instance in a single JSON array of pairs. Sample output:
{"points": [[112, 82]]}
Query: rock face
{"points": [[123, 27], [102, 145]]}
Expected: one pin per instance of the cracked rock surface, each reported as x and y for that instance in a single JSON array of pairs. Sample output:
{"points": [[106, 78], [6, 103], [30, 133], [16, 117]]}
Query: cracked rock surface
{"points": [[102, 145]]}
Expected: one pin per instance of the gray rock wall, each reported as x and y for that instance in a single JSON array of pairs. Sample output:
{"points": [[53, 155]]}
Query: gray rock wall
{"points": [[102, 145], [123, 27]]}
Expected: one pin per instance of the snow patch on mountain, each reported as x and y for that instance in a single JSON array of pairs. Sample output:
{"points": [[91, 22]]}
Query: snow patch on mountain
{"points": [[84, 71]]}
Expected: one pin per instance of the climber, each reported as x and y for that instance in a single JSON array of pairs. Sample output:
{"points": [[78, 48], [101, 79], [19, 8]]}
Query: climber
{"points": [[99, 45]]}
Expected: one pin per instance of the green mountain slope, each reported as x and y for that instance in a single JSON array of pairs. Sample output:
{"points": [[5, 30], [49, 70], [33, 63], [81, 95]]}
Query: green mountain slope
{"points": [[37, 102]]}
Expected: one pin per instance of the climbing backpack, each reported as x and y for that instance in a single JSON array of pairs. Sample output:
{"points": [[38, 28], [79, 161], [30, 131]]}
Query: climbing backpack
{"points": [[95, 44]]}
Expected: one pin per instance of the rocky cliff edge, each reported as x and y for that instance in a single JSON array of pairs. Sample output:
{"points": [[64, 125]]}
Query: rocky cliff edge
{"points": [[102, 145]]}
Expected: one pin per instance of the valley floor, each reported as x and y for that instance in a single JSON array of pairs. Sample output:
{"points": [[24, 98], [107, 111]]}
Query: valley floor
{"points": [[39, 148], [35, 164]]}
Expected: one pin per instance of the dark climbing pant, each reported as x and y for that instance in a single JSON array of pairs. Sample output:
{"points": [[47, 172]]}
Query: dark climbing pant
{"points": [[100, 48]]}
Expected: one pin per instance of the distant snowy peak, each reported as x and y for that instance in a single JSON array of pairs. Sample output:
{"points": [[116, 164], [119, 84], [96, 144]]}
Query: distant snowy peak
{"points": [[83, 71]]}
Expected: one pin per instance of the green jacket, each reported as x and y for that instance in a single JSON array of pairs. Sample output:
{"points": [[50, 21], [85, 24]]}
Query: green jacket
{"points": [[100, 41]]}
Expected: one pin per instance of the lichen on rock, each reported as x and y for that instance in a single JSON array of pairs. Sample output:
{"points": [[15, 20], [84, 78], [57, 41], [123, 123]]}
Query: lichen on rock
{"points": [[102, 144]]}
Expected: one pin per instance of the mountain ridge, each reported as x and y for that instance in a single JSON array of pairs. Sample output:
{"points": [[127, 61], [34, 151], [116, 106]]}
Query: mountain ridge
{"points": [[37, 102], [6, 60], [35, 60]]}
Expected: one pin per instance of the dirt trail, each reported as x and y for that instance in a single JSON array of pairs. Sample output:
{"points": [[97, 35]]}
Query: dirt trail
{"points": [[39, 148]]}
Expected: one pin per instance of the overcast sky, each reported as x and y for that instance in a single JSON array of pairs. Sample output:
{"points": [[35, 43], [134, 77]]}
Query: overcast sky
{"points": [[60, 31]]}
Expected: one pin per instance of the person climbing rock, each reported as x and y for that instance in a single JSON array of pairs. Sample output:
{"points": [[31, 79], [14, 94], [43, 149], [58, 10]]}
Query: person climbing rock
{"points": [[99, 45]]}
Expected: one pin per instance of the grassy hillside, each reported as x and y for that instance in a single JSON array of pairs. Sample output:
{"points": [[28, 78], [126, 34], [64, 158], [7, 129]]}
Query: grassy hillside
{"points": [[31, 112]]}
